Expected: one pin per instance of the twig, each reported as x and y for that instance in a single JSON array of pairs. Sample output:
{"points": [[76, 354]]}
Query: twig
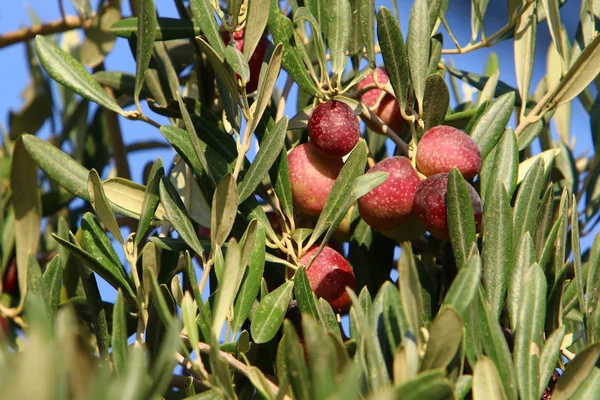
{"points": [[68, 23], [284, 94], [377, 124]]}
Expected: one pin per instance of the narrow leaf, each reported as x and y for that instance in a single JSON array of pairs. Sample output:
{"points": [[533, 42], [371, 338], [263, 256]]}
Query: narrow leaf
{"points": [[461, 222], [270, 313], [101, 205], [419, 33], [146, 32]]}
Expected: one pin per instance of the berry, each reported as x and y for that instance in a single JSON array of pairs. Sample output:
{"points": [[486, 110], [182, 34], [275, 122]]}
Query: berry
{"points": [[329, 275], [312, 176], [10, 283], [255, 61], [430, 205], [333, 128], [384, 105], [388, 205], [443, 147]]}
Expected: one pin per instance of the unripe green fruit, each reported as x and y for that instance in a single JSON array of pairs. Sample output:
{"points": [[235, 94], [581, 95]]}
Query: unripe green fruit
{"points": [[388, 205], [312, 176], [430, 205], [329, 275], [443, 147], [333, 128]]}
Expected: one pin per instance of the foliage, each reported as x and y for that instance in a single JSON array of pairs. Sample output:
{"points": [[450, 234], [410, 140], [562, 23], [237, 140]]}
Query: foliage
{"points": [[490, 314]]}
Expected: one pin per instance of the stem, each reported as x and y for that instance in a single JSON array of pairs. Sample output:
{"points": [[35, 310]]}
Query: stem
{"points": [[205, 274], [375, 122], [68, 23]]}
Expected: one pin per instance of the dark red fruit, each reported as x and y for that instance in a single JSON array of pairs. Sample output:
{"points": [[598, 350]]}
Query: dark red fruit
{"points": [[384, 105], [312, 176], [333, 128], [255, 61], [329, 275], [10, 282], [443, 147], [388, 205], [430, 205]]}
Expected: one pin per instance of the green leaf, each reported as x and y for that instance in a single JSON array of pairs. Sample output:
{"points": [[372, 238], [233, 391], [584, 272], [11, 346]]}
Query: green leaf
{"points": [[175, 210], [270, 313], [426, 385], [237, 62], [165, 28], [96, 242], [266, 83], [394, 54], [228, 288], [435, 101], [297, 371], [576, 249], [338, 33], [164, 363], [479, 82], [258, 13], [461, 222], [223, 210], [554, 25], [27, 207], [527, 200], [486, 381], [593, 289], [353, 167], [67, 71], [366, 13], [524, 49], [504, 161], [464, 287], [101, 205], [444, 341], [127, 198], [151, 200], [322, 360], [489, 127], [410, 290], [529, 330], [579, 75], [188, 315], [304, 14], [283, 31], [52, 282], [549, 357], [576, 372], [251, 283], [270, 149], [328, 318], [417, 42], [119, 335], [146, 31], [280, 178], [497, 247], [304, 295], [204, 15]]}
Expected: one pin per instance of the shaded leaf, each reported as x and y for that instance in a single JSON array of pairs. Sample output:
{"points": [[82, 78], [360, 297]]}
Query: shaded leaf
{"points": [[270, 313]]}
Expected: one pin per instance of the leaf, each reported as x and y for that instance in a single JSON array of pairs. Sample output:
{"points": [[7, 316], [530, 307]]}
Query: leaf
{"points": [[322, 358], [549, 357], [251, 283], [461, 222], [67, 71], [177, 216], [237, 62], [52, 282], [444, 340], [366, 13], [223, 210], [27, 207], [146, 31], [228, 288], [489, 127], [101, 206], [486, 381], [417, 42], [270, 313], [204, 15], [151, 200], [529, 330], [189, 190], [505, 166], [524, 49], [280, 178], [576, 372], [547, 156], [579, 75], [119, 335], [498, 247], [527, 200], [338, 33], [282, 30], [394, 54], [297, 370], [576, 250], [258, 13], [554, 25], [461, 293], [410, 289], [266, 83], [479, 82], [165, 28], [435, 101], [127, 198], [487, 94], [353, 167], [304, 294], [426, 385]]}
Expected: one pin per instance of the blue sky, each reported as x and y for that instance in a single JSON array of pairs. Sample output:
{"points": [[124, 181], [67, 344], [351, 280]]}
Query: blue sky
{"points": [[14, 72]]}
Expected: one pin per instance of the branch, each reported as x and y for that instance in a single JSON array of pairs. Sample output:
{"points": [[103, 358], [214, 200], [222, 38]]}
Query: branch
{"points": [[70, 22]]}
